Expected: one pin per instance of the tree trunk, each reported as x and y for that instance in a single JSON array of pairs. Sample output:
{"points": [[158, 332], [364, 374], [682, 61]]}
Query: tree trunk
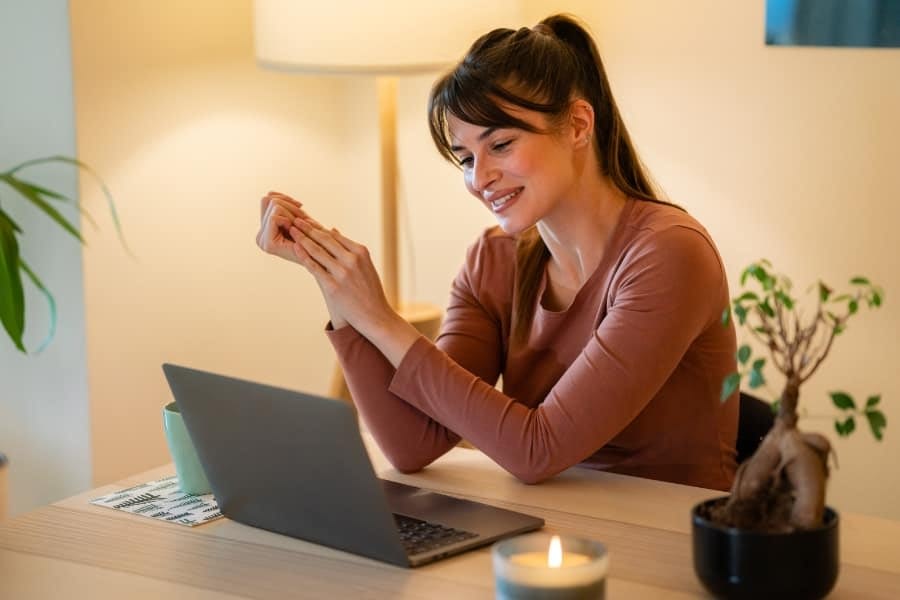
{"points": [[782, 486]]}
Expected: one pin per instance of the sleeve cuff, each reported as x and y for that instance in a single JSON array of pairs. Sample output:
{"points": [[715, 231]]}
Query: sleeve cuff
{"points": [[404, 374]]}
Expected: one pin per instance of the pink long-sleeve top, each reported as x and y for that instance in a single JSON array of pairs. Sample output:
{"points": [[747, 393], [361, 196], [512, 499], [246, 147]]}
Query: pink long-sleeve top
{"points": [[626, 379]]}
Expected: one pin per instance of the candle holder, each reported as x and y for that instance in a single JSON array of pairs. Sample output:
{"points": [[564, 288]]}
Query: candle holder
{"points": [[543, 567]]}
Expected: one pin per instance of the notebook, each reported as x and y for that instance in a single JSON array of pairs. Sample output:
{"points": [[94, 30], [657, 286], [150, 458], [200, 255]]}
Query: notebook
{"points": [[295, 464]]}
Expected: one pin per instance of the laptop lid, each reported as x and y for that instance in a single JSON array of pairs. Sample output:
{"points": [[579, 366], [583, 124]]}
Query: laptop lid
{"points": [[295, 463]]}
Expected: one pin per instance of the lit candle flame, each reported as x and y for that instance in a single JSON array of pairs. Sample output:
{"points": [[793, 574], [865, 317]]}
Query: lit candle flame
{"points": [[554, 554]]}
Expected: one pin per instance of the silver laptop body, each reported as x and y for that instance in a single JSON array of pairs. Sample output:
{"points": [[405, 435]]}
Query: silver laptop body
{"points": [[295, 463]]}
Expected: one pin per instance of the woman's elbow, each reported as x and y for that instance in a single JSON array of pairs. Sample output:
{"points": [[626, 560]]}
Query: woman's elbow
{"points": [[407, 464], [533, 476]]}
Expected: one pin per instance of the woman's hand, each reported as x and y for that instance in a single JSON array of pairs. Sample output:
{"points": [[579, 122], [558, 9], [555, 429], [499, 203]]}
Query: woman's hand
{"points": [[351, 286], [278, 212], [343, 269]]}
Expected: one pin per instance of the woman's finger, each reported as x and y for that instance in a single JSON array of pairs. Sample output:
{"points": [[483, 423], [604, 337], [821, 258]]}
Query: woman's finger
{"points": [[321, 236], [307, 261], [275, 200], [347, 242], [317, 252], [286, 197], [305, 217]]}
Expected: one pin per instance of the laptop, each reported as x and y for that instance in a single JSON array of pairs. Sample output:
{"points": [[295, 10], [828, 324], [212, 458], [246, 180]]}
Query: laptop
{"points": [[295, 464]]}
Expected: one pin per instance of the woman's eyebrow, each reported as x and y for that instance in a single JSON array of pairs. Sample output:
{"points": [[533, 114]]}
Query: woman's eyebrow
{"points": [[481, 136]]}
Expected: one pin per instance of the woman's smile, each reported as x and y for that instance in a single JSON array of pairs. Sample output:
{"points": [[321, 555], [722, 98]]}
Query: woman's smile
{"points": [[503, 201]]}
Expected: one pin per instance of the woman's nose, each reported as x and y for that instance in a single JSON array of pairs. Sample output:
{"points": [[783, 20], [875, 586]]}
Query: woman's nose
{"points": [[483, 175]]}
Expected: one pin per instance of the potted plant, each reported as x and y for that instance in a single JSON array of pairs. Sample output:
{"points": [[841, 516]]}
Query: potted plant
{"points": [[13, 265], [773, 536]]}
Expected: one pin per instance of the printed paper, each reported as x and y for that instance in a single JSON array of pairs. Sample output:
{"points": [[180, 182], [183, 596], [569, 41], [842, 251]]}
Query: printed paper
{"points": [[163, 500]]}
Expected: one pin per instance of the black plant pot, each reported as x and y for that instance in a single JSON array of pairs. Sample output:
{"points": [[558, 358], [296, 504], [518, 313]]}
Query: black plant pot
{"points": [[738, 564]]}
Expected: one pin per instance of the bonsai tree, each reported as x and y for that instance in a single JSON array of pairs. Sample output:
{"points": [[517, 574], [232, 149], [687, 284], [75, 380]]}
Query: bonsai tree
{"points": [[13, 266], [782, 486]]}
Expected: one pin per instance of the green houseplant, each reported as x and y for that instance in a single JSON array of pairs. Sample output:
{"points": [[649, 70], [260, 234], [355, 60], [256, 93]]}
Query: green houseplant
{"points": [[12, 265], [774, 536]]}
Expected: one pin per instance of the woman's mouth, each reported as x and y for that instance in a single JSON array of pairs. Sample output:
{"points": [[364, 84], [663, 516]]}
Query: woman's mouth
{"points": [[503, 201]]}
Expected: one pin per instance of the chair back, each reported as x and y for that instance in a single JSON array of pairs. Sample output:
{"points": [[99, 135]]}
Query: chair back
{"points": [[754, 422]]}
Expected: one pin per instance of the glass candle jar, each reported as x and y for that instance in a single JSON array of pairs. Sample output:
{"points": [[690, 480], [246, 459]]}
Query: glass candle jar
{"points": [[543, 567]]}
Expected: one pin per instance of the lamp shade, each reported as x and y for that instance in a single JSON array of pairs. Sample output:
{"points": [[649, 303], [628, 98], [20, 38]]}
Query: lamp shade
{"points": [[371, 36]]}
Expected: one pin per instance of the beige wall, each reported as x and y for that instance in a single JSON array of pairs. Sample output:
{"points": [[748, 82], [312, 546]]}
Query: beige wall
{"points": [[190, 134], [782, 153]]}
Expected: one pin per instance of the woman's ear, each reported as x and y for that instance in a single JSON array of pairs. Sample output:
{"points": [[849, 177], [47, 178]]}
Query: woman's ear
{"points": [[581, 122]]}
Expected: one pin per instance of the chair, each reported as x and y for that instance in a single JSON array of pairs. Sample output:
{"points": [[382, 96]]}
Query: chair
{"points": [[755, 419]]}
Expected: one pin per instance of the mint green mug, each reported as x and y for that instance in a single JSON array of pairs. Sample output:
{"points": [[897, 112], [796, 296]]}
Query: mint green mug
{"points": [[191, 478]]}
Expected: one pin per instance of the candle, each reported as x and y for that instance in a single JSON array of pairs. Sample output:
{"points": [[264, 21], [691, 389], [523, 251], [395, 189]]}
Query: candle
{"points": [[536, 566]]}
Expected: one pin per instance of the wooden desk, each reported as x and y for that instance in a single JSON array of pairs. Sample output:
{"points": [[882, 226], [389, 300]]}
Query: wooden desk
{"points": [[76, 550]]}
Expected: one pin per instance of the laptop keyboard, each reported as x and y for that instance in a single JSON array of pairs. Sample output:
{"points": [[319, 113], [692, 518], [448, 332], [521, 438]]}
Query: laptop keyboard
{"points": [[421, 536]]}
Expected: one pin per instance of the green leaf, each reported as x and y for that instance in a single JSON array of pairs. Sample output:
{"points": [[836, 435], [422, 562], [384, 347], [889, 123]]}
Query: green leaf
{"points": [[872, 401], [741, 313], [846, 428], [743, 354], [756, 379], [824, 292], [42, 204], [50, 301], [730, 386], [784, 299], [726, 316], [50, 194], [860, 281], [85, 167], [763, 277], [758, 364], [841, 298], [876, 299], [842, 400], [12, 297], [11, 180], [758, 273], [12, 224], [877, 422], [747, 296], [853, 306], [767, 308], [776, 406]]}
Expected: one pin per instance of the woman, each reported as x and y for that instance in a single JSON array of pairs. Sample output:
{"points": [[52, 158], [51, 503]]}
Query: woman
{"points": [[598, 304]]}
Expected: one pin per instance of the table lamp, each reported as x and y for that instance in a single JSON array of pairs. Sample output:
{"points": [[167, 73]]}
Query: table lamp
{"points": [[384, 39]]}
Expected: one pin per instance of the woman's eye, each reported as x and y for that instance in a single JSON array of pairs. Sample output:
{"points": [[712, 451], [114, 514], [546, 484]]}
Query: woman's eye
{"points": [[500, 146], [465, 161]]}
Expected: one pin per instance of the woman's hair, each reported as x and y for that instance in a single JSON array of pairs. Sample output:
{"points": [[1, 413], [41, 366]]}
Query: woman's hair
{"points": [[542, 69]]}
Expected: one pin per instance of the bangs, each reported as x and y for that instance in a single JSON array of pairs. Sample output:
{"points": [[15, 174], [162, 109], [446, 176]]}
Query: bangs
{"points": [[504, 67], [477, 101]]}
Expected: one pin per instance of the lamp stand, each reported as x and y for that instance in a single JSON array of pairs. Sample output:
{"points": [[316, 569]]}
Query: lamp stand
{"points": [[424, 317]]}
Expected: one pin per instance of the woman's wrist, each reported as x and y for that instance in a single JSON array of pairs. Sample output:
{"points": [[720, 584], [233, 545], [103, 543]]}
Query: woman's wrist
{"points": [[393, 336]]}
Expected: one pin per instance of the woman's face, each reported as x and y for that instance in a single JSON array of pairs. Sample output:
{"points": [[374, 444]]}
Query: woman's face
{"points": [[518, 175]]}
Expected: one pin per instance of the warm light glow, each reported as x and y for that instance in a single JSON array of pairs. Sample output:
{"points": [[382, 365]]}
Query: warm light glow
{"points": [[554, 555], [361, 36]]}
